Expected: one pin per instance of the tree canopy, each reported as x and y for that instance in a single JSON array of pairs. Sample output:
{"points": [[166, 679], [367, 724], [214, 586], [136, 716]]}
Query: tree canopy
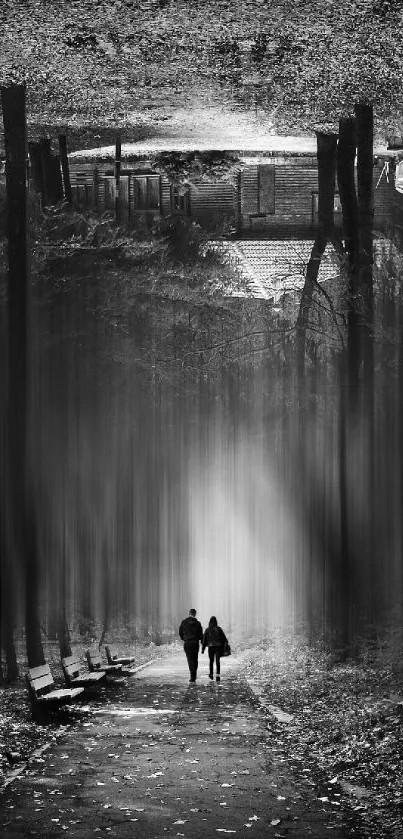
{"points": [[122, 63]]}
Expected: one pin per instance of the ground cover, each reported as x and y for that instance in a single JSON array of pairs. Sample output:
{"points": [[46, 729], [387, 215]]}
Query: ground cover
{"points": [[346, 726], [20, 734], [168, 757], [133, 65], [338, 751]]}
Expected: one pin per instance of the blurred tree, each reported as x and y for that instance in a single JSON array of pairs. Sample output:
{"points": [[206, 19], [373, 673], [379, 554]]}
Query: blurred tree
{"points": [[19, 479]]}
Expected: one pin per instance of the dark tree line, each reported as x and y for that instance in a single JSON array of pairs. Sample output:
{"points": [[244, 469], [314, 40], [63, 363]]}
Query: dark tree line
{"points": [[18, 519], [348, 160]]}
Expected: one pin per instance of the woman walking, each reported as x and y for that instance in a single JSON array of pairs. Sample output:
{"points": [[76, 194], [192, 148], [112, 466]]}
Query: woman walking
{"points": [[215, 639]]}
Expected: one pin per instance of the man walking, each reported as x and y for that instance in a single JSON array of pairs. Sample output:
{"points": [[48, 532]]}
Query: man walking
{"points": [[191, 632]]}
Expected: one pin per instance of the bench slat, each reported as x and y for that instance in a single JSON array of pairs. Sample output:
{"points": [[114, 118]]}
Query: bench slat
{"points": [[71, 661], [89, 677], [114, 658], [63, 694], [96, 664], [94, 659], [71, 671], [42, 684], [39, 672], [42, 687], [74, 675]]}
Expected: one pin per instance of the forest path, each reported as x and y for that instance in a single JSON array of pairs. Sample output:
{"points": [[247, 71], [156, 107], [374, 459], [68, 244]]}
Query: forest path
{"points": [[159, 756]]}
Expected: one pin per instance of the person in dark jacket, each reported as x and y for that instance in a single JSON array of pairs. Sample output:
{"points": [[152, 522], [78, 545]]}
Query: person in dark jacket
{"points": [[214, 638], [191, 632]]}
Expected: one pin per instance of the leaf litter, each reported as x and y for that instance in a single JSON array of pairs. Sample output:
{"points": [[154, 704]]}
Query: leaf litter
{"points": [[344, 728]]}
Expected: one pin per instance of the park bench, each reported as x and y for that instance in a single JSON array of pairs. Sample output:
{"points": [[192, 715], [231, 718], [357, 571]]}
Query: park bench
{"points": [[42, 688], [95, 664], [74, 676], [114, 658]]}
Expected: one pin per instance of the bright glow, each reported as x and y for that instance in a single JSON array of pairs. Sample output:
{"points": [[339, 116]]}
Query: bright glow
{"points": [[243, 539]]}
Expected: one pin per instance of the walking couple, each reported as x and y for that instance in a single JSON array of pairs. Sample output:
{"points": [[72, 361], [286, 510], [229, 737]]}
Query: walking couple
{"points": [[191, 633]]}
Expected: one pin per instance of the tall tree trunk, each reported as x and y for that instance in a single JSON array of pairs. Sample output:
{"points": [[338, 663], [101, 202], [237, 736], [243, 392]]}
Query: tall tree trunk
{"points": [[63, 632], [35, 158], [365, 164], [64, 161], [343, 605], [365, 190], [52, 178], [8, 605], [326, 155], [7, 584], [118, 165], [24, 531], [346, 151]]}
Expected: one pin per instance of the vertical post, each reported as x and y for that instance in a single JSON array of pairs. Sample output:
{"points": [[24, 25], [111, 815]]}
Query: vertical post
{"points": [[15, 141], [36, 167], [365, 195], [118, 164], [52, 179], [95, 182], [44, 146], [64, 160]]}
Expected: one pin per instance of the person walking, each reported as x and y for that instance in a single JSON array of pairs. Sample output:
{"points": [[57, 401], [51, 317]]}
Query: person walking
{"points": [[214, 638], [191, 633]]}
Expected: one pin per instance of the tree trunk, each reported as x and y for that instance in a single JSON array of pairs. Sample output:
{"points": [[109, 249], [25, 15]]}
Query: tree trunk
{"points": [[36, 168], [64, 160], [63, 634], [344, 581], [7, 594], [24, 530], [365, 189], [118, 164], [365, 155], [326, 155], [106, 592], [7, 587], [346, 150], [52, 179]]}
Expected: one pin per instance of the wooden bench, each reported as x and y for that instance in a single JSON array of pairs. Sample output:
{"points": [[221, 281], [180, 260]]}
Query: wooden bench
{"points": [[114, 658], [95, 664], [42, 688], [74, 676]]}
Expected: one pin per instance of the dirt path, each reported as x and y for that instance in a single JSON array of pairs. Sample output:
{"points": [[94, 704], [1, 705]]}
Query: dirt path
{"points": [[159, 756]]}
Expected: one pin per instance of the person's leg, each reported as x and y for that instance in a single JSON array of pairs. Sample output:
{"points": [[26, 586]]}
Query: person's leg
{"points": [[188, 653], [195, 658], [211, 658], [217, 661], [192, 652]]}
